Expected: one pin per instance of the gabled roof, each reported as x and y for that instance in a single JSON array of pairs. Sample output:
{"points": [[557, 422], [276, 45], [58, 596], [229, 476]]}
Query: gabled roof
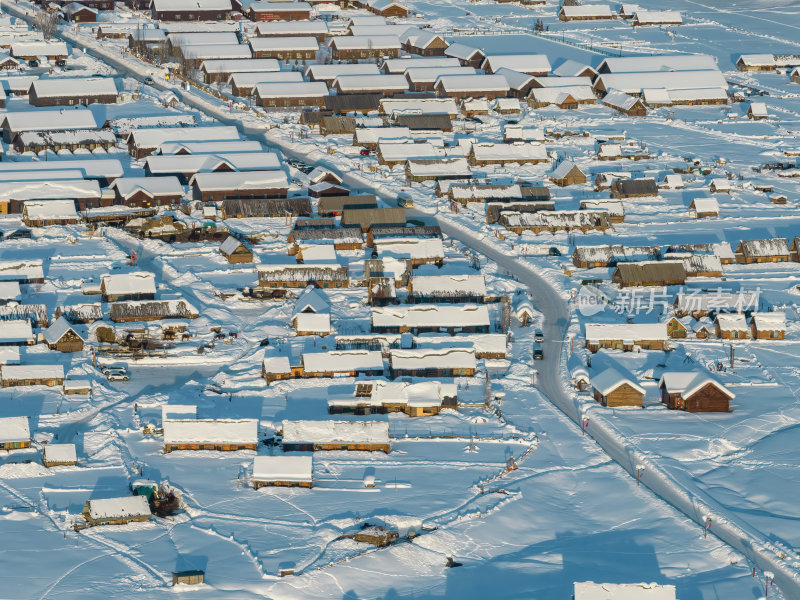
{"points": [[687, 383], [58, 329], [463, 52], [14, 429], [524, 63], [152, 186], [669, 62], [190, 5], [312, 299], [564, 169], [769, 321], [611, 379]]}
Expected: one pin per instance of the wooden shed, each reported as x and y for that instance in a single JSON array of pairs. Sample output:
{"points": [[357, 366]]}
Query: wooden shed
{"points": [[235, 252], [676, 329], [567, 173], [694, 391], [63, 337], [611, 388], [55, 455]]}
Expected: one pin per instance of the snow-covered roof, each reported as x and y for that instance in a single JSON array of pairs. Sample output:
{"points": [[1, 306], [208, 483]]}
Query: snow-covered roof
{"points": [[16, 331], [448, 167], [588, 590], [16, 429], [9, 290], [355, 83], [63, 453], [202, 147], [331, 72], [389, 150], [210, 431], [400, 65], [706, 205], [473, 83], [462, 51], [758, 109], [563, 169], [191, 5], [431, 74], [193, 163], [658, 17], [768, 247], [181, 412], [216, 51], [687, 383], [26, 372], [249, 80], [58, 329], [769, 321], [731, 321], [523, 63], [385, 29], [434, 285], [282, 468], [49, 120], [207, 38], [239, 180], [625, 331], [429, 106], [312, 299], [357, 432], [50, 209], [64, 87], [270, 6], [124, 284], [666, 62], [413, 248], [304, 89], [294, 43], [152, 186], [20, 270], [154, 137], [431, 315], [520, 132], [312, 322], [619, 100], [634, 83], [111, 508], [610, 379], [241, 65], [363, 42], [39, 49], [570, 68], [558, 94], [677, 96], [433, 358], [314, 27], [373, 135], [757, 60], [342, 361], [91, 168], [587, 10], [230, 245], [510, 152], [276, 365]]}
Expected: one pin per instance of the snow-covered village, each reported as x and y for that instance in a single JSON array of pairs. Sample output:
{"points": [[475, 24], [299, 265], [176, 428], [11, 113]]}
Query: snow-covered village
{"points": [[382, 299]]}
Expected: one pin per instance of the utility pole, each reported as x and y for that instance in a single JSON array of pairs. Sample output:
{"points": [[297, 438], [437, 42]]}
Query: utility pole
{"points": [[731, 356]]}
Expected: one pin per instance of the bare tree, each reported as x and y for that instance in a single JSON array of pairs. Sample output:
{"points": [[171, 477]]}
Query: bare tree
{"points": [[47, 23]]}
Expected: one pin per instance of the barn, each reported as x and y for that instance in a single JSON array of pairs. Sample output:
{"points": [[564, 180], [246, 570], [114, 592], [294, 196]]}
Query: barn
{"points": [[694, 391]]}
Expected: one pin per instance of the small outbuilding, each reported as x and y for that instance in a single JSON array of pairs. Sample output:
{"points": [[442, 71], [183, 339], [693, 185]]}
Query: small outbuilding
{"points": [[283, 471], [611, 388], [55, 455]]}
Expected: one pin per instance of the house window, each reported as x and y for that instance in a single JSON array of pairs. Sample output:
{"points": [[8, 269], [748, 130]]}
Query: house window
{"points": [[735, 334], [774, 335]]}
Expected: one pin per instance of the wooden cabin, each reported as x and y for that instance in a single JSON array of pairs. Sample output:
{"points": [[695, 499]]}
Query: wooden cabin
{"points": [[208, 434], [431, 318], [433, 362], [294, 275], [694, 391], [768, 325], [626, 336], [55, 455], [61, 336], [316, 436], [26, 375], [567, 173], [704, 208], [276, 368], [676, 329], [15, 433], [731, 326], [633, 188], [235, 252], [283, 471], [138, 285], [762, 251], [612, 389], [240, 208], [188, 577], [116, 511]]}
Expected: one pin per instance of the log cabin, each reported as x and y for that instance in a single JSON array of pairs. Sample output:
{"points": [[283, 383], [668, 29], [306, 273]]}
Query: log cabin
{"points": [[342, 363], [768, 325], [591, 257], [661, 274], [25, 375], [231, 185], [612, 389], [731, 326], [116, 511], [197, 10], [235, 252], [61, 336], [567, 173], [55, 455], [626, 336], [694, 391], [277, 368], [433, 362], [240, 208], [262, 10], [431, 318], [762, 251], [294, 276], [138, 285]]}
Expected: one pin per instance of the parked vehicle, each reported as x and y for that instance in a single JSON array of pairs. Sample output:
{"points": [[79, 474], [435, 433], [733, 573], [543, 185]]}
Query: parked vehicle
{"points": [[538, 336], [116, 373], [365, 152], [538, 353], [149, 80], [553, 251]]}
